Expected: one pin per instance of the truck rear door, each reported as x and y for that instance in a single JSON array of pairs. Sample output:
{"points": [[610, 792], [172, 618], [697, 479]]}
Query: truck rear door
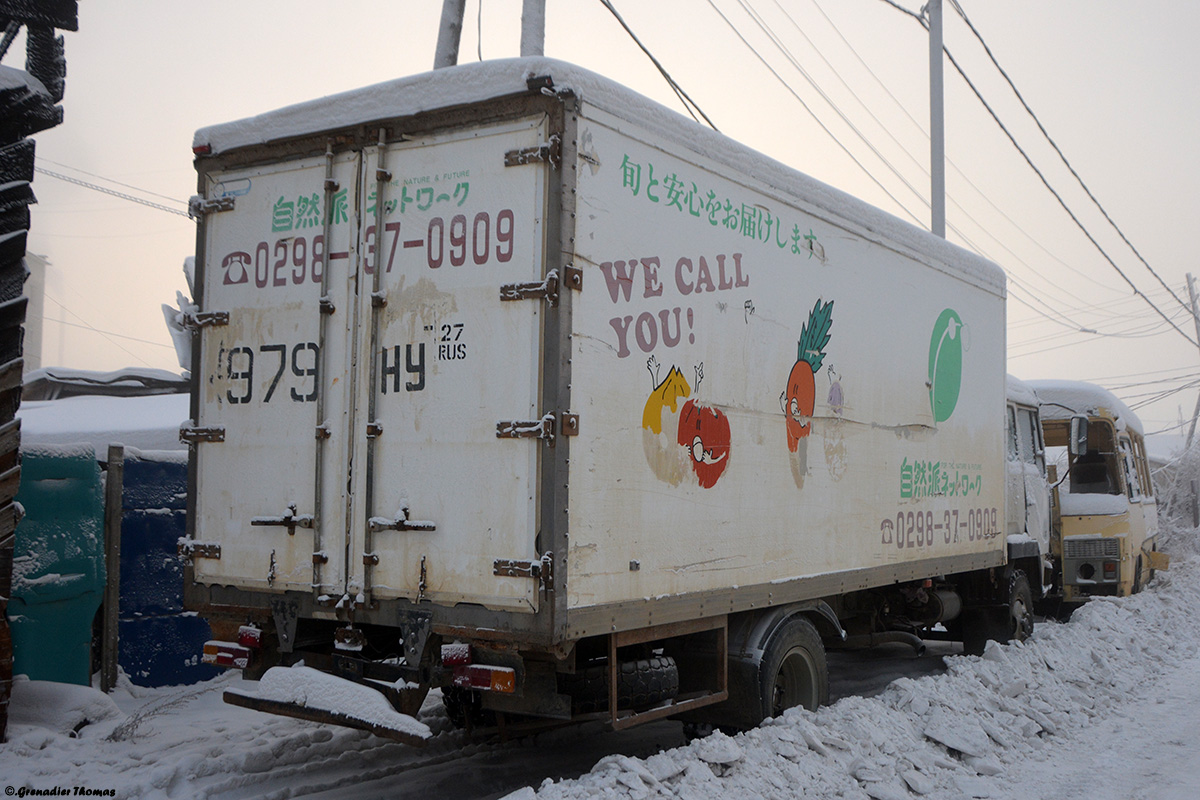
{"points": [[439, 495], [276, 283]]}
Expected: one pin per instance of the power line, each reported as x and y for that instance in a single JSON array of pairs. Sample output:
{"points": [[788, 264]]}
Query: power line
{"points": [[962, 73], [1053, 144], [112, 192], [925, 133], [811, 113], [110, 333], [779, 44], [687, 101], [766, 29], [94, 329], [111, 180]]}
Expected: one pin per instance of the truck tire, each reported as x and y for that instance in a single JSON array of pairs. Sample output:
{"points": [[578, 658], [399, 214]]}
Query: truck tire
{"points": [[1137, 577], [794, 672], [640, 684], [1012, 623], [1020, 608]]}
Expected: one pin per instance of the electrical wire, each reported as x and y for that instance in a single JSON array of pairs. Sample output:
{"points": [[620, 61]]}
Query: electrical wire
{"points": [[961, 174], [687, 101], [979, 96], [94, 329], [811, 113], [113, 181], [112, 192], [958, 8], [766, 29]]}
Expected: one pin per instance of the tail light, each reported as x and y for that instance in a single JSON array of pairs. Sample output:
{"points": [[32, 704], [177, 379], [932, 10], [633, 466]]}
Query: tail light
{"points": [[250, 637], [481, 677], [225, 654], [485, 678], [456, 654]]}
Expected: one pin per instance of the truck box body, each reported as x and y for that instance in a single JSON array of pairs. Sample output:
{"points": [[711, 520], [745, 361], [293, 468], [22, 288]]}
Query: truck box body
{"points": [[604, 369]]}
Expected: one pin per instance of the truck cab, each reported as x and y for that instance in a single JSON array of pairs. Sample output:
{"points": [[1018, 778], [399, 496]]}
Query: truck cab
{"points": [[1105, 526], [1027, 486]]}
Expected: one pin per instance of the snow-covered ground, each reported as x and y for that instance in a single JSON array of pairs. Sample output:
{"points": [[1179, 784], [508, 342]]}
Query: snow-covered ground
{"points": [[1102, 707]]}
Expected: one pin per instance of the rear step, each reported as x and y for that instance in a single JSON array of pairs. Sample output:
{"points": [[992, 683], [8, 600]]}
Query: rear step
{"points": [[298, 711], [301, 691]]}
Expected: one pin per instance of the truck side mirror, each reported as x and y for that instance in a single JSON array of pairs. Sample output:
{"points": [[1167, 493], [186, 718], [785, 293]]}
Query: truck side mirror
{"points": [[1078, 444]]}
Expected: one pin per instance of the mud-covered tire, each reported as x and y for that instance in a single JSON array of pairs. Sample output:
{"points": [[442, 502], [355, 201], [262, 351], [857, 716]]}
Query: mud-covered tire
{"points": [[640, 684], [794, 671], [1137, 576]]}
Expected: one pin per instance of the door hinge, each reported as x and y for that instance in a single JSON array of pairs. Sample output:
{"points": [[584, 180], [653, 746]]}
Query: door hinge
{"points": [[544, 428], [541, 570], [547, 289], [547, 153], [291, 520], [190, 434], [205, 319], [190, 548], [198, 206]]}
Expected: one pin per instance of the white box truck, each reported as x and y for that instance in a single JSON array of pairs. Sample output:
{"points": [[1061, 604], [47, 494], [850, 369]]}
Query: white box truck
{"points": [[511, 382]]}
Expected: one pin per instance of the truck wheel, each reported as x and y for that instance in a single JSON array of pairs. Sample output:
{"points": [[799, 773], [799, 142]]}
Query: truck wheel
{"points": [[640, 684], [1137, 576], [793, 669], [1014, 623], [1020, 608]]}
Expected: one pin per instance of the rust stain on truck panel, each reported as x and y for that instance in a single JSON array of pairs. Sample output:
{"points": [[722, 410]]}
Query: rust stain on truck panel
{"points": [[422, 303]]}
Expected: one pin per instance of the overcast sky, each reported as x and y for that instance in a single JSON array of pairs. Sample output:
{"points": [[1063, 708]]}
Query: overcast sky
{"points": [[1112, 83]]}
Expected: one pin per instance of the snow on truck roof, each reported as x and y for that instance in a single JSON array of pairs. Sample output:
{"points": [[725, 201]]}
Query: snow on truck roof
{"points": [[1061, 399], [468, 83], [1018, 391]]}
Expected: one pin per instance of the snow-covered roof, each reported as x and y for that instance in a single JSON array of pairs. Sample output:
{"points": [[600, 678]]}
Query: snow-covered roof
{"points": [[1019, 392], [51, 383], [1062, 399], [467, 83], [147, 423]]}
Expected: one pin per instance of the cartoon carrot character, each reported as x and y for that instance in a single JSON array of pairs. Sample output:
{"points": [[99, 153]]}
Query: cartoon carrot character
{"points": [[799, 398]]}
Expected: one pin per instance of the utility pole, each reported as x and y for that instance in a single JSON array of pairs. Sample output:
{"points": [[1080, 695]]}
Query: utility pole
{"points": [[937, 129], [1187, 460], [533, 28], [1195, 318], [449, 33]]}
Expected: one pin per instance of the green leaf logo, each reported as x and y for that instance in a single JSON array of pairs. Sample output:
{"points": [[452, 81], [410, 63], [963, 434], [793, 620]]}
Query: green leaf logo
{"points": [[945, 364]]}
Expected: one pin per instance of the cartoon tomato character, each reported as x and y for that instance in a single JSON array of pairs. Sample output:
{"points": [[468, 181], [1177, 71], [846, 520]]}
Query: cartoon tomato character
{"points": [[704, 434], [799, 398]]}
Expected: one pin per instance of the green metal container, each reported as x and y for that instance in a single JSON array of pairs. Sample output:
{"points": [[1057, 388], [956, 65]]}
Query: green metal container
{"points": [[58, 564]]}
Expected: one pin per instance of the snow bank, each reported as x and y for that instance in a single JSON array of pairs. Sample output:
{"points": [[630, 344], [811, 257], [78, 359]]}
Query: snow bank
{"points": [[59, 707], [961, 734], [985, 728]]}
